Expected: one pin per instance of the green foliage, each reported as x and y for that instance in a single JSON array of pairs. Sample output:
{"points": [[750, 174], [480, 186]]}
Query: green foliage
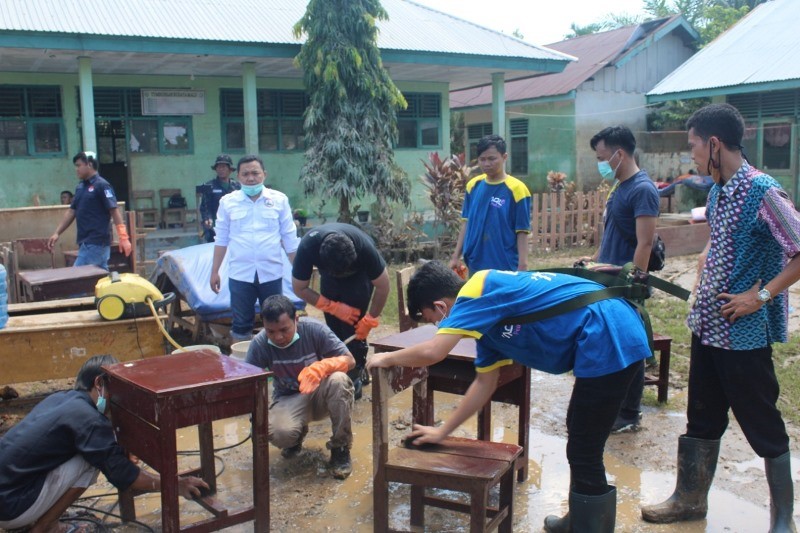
{"points": [[579, 31], [351, 121], [718, 19], [672, 115], [458, 132], [446, 181]]}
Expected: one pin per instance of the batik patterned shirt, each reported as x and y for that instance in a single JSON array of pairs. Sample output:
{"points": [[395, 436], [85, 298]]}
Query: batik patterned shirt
{"points": [[754, 229]]}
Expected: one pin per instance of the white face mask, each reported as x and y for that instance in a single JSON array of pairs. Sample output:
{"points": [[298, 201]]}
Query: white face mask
{"points": [[294, 340], [101, 401], [444, 316]]}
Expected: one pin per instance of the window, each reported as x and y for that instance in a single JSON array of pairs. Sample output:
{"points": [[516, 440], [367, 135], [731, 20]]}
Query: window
{"points": [[280, 120], [476, 132], [419, 125], [777, 146], [519, 146], [31, 122], [119, 119]]}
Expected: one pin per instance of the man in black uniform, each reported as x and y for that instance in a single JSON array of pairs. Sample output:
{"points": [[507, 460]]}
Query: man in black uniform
{"points": [[52, 456], [350, 268], [213, 190]]}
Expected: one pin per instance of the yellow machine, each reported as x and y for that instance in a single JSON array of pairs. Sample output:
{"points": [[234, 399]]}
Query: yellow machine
{"points": [[127, 296]]}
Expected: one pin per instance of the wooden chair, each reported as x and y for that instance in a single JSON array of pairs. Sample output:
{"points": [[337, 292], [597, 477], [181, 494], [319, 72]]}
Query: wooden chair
{"points": [[463, 465], [28, 247], [147, 215], [402, 277], [663, 345], [171, 216]]}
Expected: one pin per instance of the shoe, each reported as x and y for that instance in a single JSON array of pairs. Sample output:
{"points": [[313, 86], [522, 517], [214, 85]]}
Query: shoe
{"points": [[340, 464], [626, 425], [292, 452], [357, 388]]}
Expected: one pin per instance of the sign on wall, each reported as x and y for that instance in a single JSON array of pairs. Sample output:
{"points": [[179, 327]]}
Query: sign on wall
{"points": [[173, 102]]}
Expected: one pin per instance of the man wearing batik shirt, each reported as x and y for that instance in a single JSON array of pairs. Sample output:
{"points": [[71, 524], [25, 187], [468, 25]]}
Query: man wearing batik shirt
{"points": [[741, 309]]}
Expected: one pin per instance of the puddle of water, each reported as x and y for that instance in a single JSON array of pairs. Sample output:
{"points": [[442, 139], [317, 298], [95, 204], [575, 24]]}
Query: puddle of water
{"points": [[304, 497]]}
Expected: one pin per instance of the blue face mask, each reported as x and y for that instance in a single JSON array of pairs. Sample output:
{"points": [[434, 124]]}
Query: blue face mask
{"points": [[605, 170], [252, 190], [101, 402], [294, 340]]}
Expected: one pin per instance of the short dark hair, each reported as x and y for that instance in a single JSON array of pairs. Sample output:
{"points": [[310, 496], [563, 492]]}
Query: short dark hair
{"points": [[615, 137], [87, 159], [337, 253], [432, 281], [718, 120], [491, 140], [249, 159], [67, 192], [91, 369], [275, 306]]}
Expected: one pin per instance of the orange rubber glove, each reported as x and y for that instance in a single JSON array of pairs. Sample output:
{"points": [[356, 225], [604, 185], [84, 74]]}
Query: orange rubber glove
{"points": [[124, 240], [311, 375], [365, 325], [461, 271], [343, 312]]}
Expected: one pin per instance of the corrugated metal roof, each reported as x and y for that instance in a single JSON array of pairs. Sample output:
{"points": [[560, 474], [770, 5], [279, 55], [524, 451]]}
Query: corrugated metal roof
{"points": [[763, 47], [410, 27], [594, 52]]}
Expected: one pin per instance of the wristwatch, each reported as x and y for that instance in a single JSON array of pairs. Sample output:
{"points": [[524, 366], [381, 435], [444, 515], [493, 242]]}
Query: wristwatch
{"points": [[764, 296]]}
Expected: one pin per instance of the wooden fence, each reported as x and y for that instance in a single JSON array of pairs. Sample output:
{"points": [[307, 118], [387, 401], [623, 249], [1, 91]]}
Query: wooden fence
{"points": [[560, 221]]}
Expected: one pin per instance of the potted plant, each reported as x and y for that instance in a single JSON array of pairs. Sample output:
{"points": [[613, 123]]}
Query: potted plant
{"points": [[301, 216]]}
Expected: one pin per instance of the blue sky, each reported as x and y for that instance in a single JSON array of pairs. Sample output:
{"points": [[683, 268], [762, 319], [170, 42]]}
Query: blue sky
{"points": [[540, 21]]}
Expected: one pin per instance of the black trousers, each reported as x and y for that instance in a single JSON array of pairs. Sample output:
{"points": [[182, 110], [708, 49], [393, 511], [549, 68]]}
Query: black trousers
{"points": [[355, 291], [740, 380], [592, 410]]}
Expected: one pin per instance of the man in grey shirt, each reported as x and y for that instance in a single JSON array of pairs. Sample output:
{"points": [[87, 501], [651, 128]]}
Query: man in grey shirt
{"points": [[310, 381]]}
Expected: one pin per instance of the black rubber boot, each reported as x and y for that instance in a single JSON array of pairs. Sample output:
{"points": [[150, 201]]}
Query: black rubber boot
{"points": [[781, 491], [697, 462], [587, 514], [340, 464]]}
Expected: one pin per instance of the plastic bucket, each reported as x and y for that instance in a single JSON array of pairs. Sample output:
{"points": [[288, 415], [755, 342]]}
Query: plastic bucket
{"points": [[198, 347], [239, 350]]}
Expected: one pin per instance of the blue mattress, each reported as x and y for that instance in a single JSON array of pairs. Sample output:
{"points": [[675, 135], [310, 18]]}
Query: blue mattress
{"points": [[188, 270]]}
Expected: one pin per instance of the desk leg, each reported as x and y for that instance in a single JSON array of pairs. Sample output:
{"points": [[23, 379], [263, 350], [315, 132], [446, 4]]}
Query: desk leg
{"points": [[207, 469], [663, 373], [485, 422], [524, 422], [422, 407], [261, 458], [170, 507]]}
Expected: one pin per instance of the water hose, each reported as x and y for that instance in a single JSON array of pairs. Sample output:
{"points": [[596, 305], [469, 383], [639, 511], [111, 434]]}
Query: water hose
{"points": [[166, 334]]}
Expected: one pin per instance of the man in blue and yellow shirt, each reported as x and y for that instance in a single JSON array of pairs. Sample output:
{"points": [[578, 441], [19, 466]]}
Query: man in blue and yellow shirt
{"points": [[496, 216], [601, 343]]}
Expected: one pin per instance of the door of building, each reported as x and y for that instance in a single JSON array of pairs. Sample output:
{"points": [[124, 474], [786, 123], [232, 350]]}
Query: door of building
{"points": [[112, 151]]}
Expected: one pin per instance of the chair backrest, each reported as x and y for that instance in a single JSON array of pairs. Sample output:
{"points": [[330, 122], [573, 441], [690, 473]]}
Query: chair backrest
{"points": [[402, 277], [386, 382], [165, 194], [23, 247], [147, 196]]}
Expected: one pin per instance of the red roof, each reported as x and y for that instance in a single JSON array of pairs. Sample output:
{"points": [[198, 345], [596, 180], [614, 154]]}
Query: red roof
{"points": [[593, 51]]}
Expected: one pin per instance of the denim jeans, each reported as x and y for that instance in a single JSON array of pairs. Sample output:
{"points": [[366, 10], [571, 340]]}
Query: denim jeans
{"points": [[243, 302], [93, 254], [592, 409]]}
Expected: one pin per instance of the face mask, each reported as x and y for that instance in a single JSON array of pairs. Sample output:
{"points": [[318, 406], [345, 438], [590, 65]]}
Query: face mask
{"points": [[444, 316], [101, 402], [252, 190], [713, 166], [605, 170], [294, 340]]}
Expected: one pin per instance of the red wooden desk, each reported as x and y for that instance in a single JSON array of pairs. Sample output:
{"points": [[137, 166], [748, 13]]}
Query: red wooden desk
{"points": [[55, 283], [151, 398], [456, 373]]}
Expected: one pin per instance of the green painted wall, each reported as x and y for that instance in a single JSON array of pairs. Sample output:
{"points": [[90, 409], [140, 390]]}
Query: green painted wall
{"points": [[22, 178], [551, 141]]}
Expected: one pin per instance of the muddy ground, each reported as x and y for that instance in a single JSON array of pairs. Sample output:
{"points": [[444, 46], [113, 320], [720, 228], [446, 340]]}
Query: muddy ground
{"points": [[305, 497]]}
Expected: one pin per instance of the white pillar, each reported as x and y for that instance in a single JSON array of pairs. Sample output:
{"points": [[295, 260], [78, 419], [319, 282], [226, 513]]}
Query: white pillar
{"points": [[89, 137], [250, 107], [499, 103]]}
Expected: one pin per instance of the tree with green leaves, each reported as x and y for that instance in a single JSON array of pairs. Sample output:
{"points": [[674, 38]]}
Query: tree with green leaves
{"points": [[351, 121]]}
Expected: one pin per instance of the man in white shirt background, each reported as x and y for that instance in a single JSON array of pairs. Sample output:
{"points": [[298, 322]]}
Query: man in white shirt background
{"points": [[252, 226]]}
